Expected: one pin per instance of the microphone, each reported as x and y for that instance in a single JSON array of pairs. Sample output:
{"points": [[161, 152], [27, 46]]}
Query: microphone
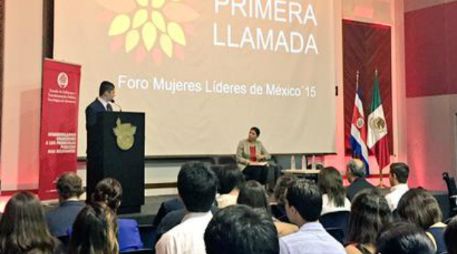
{"points": [[117, 105]]}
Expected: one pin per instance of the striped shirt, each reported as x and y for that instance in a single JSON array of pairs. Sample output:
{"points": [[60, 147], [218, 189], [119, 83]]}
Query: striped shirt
{"points": [[311, 238]]}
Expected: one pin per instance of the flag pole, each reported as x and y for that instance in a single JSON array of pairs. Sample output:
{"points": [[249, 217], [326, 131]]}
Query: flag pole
{"points": [[357, 80], [354, 155], [381, 177]]}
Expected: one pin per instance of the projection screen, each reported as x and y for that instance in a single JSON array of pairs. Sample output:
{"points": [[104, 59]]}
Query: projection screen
{"points": [[205, 71]]}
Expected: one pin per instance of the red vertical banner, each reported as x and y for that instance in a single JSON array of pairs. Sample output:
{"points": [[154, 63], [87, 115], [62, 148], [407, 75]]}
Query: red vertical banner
{"points": [[59, 124]]}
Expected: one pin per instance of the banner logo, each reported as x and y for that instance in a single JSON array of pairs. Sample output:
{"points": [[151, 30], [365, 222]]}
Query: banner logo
{"points": [[124, 135], [156, 26], [62, 80]]}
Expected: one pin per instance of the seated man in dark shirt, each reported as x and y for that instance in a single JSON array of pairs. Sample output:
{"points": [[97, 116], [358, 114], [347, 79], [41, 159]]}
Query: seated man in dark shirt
{"points": [[59, 220], [165, 208], [356, 172]]}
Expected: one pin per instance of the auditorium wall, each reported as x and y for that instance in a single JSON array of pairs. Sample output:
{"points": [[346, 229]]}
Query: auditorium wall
{"points": [[21, 98], [431, 85], [387, 13], [21, 109]]}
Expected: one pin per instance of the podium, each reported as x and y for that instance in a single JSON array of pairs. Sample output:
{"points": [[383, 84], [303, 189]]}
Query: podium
{"points": [[115, 148]]}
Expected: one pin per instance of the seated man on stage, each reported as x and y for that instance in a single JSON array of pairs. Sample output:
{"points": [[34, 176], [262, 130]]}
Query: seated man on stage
{"points": [[252, 157]]}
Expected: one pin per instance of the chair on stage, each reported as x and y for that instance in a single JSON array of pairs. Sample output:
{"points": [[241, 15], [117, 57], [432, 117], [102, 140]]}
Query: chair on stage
{"points": [[336, 224]]}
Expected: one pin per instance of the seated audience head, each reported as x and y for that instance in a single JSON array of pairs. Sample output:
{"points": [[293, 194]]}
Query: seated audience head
{"points": [[94, 231], [355, 168], [450, 236], [230, 178], [254, 133], [253, 194], [69, 186], [281, 187], [418, 206], [197, 186], [241, 230], [399, 173], [109, 192], [330, 182], [23, 227], [303, 202], [404, 238], [369, 213]]}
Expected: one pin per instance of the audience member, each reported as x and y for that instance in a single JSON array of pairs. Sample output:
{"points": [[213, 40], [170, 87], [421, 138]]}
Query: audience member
{"points": [[450, 236], [398, 178], [404, 238], [303, 207], [253, 194], [356, 172], [109, 192], [418, 206], [60, 219], [94, 231], [330, 184], [197, 188], [166, 207], [23, 227], [241, 230], [230, 181], [369, 213], [277, 206]]}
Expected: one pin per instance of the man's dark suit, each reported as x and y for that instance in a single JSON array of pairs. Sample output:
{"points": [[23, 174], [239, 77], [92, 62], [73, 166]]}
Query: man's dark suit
{"points": [[62, 217], [357, 186], [92, 147], [91, 113]]}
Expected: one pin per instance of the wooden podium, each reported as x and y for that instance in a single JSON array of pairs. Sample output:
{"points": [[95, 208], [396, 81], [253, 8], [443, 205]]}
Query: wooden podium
{"points": [[115, 148]]}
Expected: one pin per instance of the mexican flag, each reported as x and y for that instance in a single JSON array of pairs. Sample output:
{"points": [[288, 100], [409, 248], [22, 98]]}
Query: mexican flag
{"points": [[377, 140]]}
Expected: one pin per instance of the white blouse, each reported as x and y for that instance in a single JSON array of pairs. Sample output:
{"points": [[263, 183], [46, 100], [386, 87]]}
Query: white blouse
{"points": [[330, 207]]}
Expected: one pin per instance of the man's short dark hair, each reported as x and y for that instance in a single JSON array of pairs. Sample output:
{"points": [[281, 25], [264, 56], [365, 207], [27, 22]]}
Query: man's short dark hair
{"points": [[69, 185], [197, 186], [241, 230], [256, 130], [400, 170], [230, 177], [105, 86], [305, 196], [404, 238]]}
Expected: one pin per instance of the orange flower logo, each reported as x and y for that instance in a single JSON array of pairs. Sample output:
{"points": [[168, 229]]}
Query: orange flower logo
{"points": [[155, 26]]}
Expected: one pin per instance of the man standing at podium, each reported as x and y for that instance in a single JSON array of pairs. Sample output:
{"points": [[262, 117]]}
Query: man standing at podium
{"points": [[106, 95]]}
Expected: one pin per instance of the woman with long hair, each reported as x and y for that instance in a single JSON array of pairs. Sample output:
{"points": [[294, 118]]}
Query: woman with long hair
{"points": [[418, 206], [369, 213], [94, 231], [278, 204], [23, 227], [330, 184], [253, 194], [109, 192]]}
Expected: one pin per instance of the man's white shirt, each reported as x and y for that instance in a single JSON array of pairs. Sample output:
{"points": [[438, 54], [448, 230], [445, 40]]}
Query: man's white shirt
{"points": [[187, 237], [396, 192]]}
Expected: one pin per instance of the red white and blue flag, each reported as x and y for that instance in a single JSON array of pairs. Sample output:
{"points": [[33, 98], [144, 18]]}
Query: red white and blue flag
{"points": [[359, 131]]}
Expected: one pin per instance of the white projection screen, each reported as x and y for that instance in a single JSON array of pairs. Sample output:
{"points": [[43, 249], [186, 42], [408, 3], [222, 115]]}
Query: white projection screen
{"points": [[205, 71]]}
